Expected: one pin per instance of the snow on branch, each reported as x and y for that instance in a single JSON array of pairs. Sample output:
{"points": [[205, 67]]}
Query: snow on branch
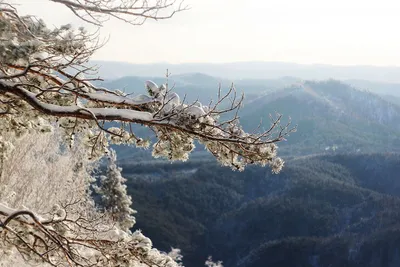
{"points": [[48, 216], [75, 240], [37, 92]]}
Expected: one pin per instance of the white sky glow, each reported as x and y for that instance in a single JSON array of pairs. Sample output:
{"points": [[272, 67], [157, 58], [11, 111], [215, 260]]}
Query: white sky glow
{"points": [[340, 32]]}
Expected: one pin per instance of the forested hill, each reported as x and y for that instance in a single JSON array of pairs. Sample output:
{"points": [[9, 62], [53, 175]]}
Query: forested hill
{"points": [[332, 210], [330, 115]]}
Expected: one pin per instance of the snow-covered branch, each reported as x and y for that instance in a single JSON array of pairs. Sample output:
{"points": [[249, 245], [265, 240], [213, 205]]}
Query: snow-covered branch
{"points": [[169, 119], [77, 241], [35, 85]]}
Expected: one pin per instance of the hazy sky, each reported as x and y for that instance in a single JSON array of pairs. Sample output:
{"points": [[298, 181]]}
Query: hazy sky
{"points": [[340, 32]]}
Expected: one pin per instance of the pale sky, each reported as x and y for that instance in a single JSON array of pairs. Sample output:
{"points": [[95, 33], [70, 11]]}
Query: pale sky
{"points": [[339, 32]]}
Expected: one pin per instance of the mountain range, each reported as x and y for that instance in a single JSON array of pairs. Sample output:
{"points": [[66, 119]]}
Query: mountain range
{"points": [[383, 79], [252, 70], [336, 202]]}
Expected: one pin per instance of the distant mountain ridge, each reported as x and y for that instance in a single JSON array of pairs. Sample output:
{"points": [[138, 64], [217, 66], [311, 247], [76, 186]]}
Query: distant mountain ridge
{"points": [[340, 98], [252, 70], [385, 81], [199, 86]]}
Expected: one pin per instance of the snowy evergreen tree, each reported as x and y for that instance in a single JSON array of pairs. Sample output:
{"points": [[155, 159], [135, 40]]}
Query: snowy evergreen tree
{"points": [[114, 197]]}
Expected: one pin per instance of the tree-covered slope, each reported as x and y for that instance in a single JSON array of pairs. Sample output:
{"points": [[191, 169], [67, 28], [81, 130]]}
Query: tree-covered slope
{"points": [[330, 116], [322, 209]]}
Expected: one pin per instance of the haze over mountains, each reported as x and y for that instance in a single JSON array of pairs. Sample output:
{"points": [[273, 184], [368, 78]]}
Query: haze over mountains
{"points": [[357, 75], [247, 75]]}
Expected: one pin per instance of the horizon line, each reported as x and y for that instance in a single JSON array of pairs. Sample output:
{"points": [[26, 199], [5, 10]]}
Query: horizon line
{"points": [[244, 62]]}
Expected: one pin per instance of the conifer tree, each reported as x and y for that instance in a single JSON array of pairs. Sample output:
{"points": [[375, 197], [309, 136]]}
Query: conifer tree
{"points": [[114, 197]]}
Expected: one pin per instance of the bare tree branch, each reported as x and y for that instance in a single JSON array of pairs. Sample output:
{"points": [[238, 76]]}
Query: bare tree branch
{"points": [[130, 11]]}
